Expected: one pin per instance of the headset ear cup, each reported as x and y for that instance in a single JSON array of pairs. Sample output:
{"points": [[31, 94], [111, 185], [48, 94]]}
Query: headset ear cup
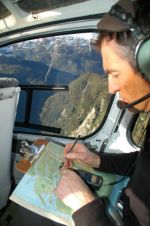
{"points": [[143, 57]]}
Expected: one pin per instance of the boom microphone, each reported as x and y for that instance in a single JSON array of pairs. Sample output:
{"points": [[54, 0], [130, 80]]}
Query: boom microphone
{"points": [[123, 106]]}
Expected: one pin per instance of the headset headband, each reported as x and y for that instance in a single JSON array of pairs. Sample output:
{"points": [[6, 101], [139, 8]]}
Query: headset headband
{"points": [[142, 50], [128, 19]]}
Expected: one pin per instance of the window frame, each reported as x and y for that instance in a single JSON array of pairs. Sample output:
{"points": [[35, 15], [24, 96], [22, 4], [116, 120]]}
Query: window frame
{"points": [[130, 132], [45, 129]]}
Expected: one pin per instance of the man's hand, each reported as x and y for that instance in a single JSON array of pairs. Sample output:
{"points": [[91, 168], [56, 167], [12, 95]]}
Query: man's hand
{"points": [[81, 153], [72, 190]]}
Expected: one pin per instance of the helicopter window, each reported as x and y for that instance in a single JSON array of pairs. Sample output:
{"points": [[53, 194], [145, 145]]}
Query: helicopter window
{"points": [[140, 125], [64, 87]]}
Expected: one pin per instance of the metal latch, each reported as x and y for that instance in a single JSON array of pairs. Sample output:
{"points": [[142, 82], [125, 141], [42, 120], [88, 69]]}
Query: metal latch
{"points": [[30, 153]]}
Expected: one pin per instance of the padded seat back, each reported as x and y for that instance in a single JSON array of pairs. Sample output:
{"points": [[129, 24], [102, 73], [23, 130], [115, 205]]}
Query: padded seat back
{"points": [[9, 96], [115, 207]]}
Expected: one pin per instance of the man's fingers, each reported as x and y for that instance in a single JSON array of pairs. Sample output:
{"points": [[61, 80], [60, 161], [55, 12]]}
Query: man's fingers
{"points": [[75, 156], [68, 163], [67, 149], [63, 171]]}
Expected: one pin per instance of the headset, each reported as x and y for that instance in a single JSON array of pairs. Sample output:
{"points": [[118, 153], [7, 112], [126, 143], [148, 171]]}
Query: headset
{"points": [[124, 106], [142, 50]]}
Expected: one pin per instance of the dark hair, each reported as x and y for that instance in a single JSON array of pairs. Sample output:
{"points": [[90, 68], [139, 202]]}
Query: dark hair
{"points": [[127, 39]]}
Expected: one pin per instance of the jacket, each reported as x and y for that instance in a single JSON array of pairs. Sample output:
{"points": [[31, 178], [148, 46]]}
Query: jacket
{"points": [[136, 196]]}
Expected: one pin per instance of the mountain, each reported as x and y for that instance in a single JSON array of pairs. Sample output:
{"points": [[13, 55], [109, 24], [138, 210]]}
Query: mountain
{"points": [[81, 110], [59, 60], [53, 60]]}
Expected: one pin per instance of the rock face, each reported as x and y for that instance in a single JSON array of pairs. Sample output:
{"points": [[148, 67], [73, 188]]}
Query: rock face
{"points": [[65, 60], [81, 110]]}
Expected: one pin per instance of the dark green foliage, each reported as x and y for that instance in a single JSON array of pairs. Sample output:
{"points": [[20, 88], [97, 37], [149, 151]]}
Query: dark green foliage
{"points": [[139, 130], [86, 100]]}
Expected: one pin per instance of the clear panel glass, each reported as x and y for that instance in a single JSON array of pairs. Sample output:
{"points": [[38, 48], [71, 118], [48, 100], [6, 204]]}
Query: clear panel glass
{"points": [[21, 106], [79, 111], [51, 60], [66, 60], [139, 130]]}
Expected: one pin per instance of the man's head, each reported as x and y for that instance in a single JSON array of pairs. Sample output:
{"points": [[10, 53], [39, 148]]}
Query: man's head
{"points": [[121, 31]]}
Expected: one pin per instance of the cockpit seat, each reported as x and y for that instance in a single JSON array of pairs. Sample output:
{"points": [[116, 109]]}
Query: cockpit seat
{"points": [[115, 206], [9, 96]]}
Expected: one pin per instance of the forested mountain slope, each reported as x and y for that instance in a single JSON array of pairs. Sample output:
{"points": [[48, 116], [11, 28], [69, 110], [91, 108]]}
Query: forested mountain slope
{"points": [[80, 110]]}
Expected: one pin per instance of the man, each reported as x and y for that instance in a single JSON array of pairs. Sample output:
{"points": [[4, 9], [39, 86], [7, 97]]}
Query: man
{"points": [[118, 39]]}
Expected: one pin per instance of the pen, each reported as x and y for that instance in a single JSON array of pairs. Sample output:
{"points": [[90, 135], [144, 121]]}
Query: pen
{"points": [[76, 140]]}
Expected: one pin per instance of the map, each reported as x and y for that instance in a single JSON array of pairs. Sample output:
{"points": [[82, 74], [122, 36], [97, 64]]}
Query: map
{"points": [[35, 190]]}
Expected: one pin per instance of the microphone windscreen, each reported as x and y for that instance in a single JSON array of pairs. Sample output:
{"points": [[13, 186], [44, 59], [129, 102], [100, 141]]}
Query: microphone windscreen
{"points": [[121, 105]]}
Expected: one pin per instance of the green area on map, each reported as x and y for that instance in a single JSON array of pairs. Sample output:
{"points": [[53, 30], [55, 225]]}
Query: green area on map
{"points": [[35, 190]]}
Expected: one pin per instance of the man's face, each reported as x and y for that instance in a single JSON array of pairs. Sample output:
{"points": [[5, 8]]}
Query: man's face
{"points": [[122, 77]]}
